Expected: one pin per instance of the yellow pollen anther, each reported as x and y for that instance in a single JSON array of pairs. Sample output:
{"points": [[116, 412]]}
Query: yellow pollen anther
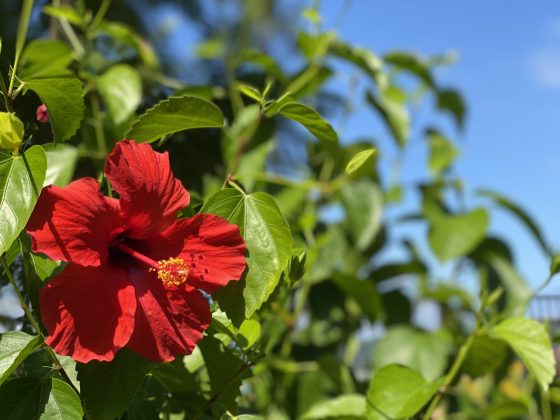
{"points": [[172, 272]]}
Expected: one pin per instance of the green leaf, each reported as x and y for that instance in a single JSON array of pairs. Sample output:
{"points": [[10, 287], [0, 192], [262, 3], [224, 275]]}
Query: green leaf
{"points": [[11, 131], [359, 160], [47, 399], [63, 96], [266, 234], [442, 152], [425, 352], [521, 214], [107, 388], [350, 406], [363, 204], [411, 63], [395, 116], [173, 115], [17, 192], [398, 392], [310, 119], [453, 236], [64, 12], [44, 56], [121, 90], [485, 355], [555, 265], [362, 291], [250, 92], [226, 373], [61, 162], [364, 59], [451, 101], [529, 340], [15, 346]]}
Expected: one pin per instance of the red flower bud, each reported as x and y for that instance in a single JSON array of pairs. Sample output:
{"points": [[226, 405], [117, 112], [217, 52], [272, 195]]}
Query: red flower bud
{"points": [[42, 114]]}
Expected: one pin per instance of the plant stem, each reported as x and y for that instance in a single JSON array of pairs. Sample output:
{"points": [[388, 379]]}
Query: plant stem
{"points": [[97, 125], [450, 377], [20, 40], [99, 15], [34, 323], [70, 34]]}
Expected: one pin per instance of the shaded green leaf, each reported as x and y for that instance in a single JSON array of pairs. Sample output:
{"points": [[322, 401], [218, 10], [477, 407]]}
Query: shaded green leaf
{"points": [[173, 115], [521, 214], [411, 63], [451, 101], [31, 398], [18, 192], [107, 388], [362, 291], [485, 355], [530, 341]]}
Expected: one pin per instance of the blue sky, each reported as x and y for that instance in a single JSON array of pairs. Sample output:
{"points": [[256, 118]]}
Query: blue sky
{"points": [[509, 72]]}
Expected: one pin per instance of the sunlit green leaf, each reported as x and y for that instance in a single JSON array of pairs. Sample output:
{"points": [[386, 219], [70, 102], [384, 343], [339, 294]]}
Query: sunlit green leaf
{"points": [[63, 97], [121, 89], [425, 352], [43, 57], [363, 204], [359, 159], [398, 392], [61, 162], [173, 115], [266, 234], [310, 119], [19, 192], [453, 236], [530, 341], [395, 116], [348, 407], [15, 346]]}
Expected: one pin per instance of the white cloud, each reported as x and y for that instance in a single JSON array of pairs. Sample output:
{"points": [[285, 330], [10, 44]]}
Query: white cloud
{"points": [[545, 67], [544, 62]]}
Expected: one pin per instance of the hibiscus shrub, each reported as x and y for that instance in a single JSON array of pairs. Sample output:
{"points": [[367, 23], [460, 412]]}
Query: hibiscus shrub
{"points": [[210, 246]]}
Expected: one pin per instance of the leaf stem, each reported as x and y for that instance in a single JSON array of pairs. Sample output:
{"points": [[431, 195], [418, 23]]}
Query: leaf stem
{"points": [[99, 15], [450, 377]]}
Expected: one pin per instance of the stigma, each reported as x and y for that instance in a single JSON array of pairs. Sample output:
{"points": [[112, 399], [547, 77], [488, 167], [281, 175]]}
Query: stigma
{"points": [[172, 271]]}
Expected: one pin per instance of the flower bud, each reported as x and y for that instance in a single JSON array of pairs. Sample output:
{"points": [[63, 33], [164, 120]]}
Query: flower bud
{"points": [[42, 114], [11, 131]]}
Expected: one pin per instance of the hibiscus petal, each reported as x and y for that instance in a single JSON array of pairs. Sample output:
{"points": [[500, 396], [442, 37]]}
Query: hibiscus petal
{"points": [[88, 312], [150, 195], [213, 248], [74, 224], [169, 322]]}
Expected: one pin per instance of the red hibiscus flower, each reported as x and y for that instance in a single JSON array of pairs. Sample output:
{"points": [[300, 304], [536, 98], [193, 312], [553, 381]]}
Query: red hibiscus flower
{"points": [[133, 270]]}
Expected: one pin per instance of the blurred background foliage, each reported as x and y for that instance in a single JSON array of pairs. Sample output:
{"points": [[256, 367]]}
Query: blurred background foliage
{"points": [[380, 309]]}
